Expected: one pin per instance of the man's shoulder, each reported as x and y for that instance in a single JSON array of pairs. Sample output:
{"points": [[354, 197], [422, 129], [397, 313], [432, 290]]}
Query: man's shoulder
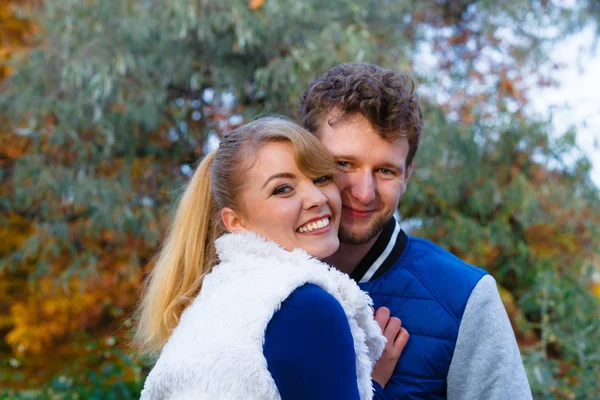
{"points": [[426, 270], [430, 261]]}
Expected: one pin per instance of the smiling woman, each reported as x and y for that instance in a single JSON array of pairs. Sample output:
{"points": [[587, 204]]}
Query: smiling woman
{"points": [[239, 305], [306, 210]]}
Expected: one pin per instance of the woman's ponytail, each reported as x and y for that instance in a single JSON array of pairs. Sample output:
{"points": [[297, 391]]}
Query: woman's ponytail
{"points": [[187, 255]]}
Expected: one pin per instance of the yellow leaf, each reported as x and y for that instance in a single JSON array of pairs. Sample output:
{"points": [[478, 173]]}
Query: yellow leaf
{"points": [[595, 287]]}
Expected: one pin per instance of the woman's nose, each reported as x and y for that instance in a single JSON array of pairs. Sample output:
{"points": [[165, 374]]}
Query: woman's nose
{"points": [[314, 197]]}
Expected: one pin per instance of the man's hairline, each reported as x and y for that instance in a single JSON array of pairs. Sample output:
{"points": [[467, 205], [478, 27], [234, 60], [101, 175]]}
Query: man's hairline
{"points": [[343, 116]]}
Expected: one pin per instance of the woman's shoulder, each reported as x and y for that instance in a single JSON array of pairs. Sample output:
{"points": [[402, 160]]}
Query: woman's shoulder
{"points": [[308, 307], [311, 298]]}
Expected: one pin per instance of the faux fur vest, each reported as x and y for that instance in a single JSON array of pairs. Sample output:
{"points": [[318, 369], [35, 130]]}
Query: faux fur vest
{"points": [[216, 351]]}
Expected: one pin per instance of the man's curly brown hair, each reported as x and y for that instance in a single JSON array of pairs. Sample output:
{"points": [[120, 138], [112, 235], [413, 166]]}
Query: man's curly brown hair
{"points": [[386, 98]]}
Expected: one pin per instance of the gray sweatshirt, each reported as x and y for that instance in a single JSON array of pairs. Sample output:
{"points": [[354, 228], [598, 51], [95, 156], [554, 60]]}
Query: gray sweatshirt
{"points": [[486, 362]]}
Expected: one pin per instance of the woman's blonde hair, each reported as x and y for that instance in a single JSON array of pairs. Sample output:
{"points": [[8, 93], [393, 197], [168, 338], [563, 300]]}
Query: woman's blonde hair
{"points": [[188, 252]]}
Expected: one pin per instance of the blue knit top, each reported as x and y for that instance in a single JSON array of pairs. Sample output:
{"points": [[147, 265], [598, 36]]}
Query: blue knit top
{"points": [[310, 350]]}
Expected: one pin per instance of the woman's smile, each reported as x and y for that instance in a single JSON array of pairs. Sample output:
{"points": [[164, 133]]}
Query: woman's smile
{"points": [[316, 226], [283, 204]]}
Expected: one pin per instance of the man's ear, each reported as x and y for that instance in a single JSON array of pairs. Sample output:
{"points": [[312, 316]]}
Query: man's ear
{"points": [[233, 221]]}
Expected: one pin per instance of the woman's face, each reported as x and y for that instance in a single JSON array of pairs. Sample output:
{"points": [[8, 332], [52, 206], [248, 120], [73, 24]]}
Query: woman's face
{"points": [[283, 205]]}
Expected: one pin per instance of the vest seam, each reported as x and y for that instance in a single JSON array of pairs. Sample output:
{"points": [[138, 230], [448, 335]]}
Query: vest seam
{"points": [[433, 337], [470, 267], [401, 297], [404, 374], [461, 262], [454, 317]]}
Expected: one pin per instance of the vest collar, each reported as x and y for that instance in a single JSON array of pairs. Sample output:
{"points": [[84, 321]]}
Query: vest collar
{"points": [[386, 250], [236, 246]]}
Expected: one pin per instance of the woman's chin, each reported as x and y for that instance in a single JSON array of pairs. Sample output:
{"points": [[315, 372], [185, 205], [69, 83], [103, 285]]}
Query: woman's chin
{"points": [[324, 249]]}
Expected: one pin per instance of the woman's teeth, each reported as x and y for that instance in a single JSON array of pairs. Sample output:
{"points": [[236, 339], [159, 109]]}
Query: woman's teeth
{"points": [[322, 223]]}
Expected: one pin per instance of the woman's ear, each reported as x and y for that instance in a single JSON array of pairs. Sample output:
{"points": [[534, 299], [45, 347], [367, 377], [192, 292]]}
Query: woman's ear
{"points": [[233, 221]]}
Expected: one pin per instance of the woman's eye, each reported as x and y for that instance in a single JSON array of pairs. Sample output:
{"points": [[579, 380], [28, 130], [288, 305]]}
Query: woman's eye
{"points": [[282, 189], [342, 164], [323, 179]]}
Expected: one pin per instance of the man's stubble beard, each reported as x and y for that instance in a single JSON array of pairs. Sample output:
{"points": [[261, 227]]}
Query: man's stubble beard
{"points": [[357, 238]]}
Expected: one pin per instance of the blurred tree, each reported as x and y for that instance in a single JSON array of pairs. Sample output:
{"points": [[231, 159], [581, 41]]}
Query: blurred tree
{"points": [[15, 30], [120, 98]]}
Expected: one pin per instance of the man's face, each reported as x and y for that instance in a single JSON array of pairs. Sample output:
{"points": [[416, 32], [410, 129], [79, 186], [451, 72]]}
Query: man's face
{"points": [[372, 176]]}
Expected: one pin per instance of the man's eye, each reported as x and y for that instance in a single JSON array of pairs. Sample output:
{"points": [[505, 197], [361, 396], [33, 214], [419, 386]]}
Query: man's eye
{"points": [[282, 189], [323, 179], [343, 164], [386, 171]]}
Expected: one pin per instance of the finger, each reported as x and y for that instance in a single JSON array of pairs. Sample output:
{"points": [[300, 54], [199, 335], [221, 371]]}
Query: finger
{"points": [[391, 329], [401, 340], [382, 316]]}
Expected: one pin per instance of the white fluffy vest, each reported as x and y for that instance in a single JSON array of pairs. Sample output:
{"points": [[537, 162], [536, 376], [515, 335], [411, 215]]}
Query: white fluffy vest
{"points": [[216, 351]]}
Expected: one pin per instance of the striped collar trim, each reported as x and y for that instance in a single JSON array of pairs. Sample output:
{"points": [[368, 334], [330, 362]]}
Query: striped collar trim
{"points": [[388, 247]]}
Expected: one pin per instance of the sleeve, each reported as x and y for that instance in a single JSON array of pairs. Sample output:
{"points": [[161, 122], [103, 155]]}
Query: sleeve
{"points": [[377, 391], [486, 363], [309, 348]]}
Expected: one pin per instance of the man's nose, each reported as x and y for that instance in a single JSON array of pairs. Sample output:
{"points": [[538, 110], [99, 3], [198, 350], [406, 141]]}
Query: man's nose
{"points": [[363, 188]]}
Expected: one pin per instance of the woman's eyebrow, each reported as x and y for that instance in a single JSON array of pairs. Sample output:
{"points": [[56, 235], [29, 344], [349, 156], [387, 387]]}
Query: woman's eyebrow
{"points": [[279, 175]]}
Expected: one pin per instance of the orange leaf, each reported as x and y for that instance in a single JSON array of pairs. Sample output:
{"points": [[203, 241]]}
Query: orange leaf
{"points": [[256, 4]]}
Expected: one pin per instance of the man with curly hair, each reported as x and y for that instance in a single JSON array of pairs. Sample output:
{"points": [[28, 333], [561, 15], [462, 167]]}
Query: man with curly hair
{"points": [[461, 345]]}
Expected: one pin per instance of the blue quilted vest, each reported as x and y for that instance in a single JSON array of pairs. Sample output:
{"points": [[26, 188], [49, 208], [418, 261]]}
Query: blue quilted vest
{"points": [[427, 288]]}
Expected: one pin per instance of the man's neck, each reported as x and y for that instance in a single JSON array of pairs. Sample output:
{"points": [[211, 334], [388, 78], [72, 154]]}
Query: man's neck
{"points": [[348, 256]]}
